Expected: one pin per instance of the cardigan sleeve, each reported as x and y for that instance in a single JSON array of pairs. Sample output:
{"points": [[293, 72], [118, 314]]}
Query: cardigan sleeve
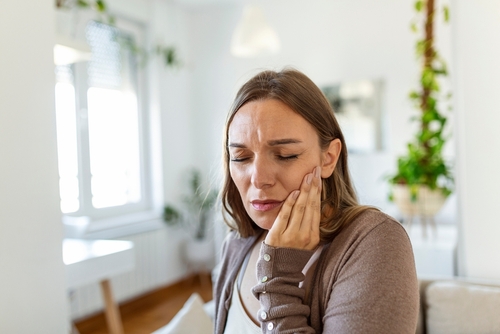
{"points": [[376, 289], [279, 272]]}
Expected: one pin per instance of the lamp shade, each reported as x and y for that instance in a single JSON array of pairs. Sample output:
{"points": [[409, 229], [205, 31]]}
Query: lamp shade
{"points": [[253, 36]]}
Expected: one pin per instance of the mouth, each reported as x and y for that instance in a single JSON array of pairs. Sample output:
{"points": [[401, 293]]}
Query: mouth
{"points": [[265, 205]]}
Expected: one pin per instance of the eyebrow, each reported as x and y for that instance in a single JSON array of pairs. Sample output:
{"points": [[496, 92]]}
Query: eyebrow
{"points": [[283, 141], [275, 142]]}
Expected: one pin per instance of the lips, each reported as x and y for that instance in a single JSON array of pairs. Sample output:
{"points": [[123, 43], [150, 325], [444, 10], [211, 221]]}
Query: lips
{"points": [[265, 205]]}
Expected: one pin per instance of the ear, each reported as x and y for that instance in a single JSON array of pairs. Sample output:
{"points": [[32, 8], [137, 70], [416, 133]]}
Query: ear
{"points": [[330, 157]]}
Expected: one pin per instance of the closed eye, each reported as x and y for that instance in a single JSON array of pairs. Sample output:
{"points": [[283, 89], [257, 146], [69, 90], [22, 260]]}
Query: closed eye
{"points": [[238, 159], [288, 157]]}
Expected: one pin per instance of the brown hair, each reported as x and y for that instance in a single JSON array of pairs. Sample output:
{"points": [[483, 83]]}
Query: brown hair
{"points": [[339, 204]]}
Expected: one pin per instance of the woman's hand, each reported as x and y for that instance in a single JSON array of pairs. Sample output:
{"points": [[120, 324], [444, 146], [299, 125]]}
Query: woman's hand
{"points": [[297, 223]]}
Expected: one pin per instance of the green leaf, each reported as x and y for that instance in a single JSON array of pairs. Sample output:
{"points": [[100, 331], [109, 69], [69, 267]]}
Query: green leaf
{"points": [[440, 71], [420, 47], [428, 78], [414, 27], [446, 13], [82, 3], [171, 215], [101, 6], [419, 4], [414, 95], [429, 116]]}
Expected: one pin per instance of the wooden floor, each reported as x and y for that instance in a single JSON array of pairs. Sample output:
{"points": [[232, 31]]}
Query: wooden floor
{"points": [[150, 312]]}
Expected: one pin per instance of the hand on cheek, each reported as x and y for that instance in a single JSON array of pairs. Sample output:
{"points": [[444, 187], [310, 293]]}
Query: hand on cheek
{"points": [[297, 223]]}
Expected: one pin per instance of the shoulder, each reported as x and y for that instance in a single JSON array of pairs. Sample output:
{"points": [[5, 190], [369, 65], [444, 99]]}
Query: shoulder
{"points": [[370, 262], [373, 218], [370, 238], [370, 223]]}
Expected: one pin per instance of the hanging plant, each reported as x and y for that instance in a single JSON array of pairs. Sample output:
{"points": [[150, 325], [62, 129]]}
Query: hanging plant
{"points": [[424, 164], [167, 53]]}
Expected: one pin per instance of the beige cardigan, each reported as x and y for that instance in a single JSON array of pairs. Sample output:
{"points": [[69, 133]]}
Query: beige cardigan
{"points": [[364, 282]]}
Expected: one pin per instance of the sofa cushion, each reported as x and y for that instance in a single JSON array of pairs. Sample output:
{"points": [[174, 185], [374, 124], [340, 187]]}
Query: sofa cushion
{"points": [[192, 318], [454, 307]]}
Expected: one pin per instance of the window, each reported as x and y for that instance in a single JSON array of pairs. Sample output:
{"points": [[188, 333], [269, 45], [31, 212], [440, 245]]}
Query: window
{"points": [[101, 128]]}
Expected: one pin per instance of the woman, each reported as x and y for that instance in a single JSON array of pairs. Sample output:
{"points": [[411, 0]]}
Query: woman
{"points": [[302, 255]]}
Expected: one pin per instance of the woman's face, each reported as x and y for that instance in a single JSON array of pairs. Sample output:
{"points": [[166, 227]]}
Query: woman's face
{"points": [[271, 149]]}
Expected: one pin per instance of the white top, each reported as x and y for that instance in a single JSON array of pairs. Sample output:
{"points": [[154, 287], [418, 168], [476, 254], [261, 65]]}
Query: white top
{"points": [[238, 321]]}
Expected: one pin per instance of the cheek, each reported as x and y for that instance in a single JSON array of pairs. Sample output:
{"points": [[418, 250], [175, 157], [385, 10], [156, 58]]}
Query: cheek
{"points": [[293, 177], [292, 181], [238, 177]]}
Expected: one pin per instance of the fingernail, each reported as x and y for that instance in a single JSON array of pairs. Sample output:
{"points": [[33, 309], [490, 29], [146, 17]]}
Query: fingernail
{"points": [[309, 178], [317, 172], [295, 194]]}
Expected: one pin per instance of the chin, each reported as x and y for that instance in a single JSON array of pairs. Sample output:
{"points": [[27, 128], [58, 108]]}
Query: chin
{"points": [[265, 226], [263, 219], [264, 222]]}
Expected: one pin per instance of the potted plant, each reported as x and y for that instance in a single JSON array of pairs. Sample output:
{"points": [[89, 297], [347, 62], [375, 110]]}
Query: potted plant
{"points": [[194, 217], [423, 179]]}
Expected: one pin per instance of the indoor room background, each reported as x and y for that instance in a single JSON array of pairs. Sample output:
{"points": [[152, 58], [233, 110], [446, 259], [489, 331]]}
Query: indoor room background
{"points": [[332, 41]]}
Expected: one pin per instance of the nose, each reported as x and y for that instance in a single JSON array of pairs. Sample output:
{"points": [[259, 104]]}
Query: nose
{"points": [[262, 173]]}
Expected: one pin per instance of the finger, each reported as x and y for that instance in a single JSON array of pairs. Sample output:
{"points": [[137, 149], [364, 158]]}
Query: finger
{"points": [[311, 218], [317, 212], [297, 214], [281, 222], [312, 201]]}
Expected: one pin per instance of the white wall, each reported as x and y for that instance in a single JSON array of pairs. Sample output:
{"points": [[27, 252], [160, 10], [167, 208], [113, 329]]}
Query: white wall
{"points": [[477, 49], [170, 119], [331, 41], [169, 28], [32, 285]]}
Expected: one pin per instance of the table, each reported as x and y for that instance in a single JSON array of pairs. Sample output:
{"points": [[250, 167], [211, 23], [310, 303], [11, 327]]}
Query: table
{"points": [[89, 261]]}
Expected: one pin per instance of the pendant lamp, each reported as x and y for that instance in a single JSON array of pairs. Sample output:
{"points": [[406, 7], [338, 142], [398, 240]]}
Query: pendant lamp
{"points": [[253, 36]]}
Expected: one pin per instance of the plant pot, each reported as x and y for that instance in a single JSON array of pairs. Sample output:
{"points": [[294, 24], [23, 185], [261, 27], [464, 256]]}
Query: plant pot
{"points": [[426, 205]]}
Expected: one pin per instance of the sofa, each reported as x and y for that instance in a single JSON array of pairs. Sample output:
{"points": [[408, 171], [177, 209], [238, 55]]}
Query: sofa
{"points": [[459, 305], [453, 306]]}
